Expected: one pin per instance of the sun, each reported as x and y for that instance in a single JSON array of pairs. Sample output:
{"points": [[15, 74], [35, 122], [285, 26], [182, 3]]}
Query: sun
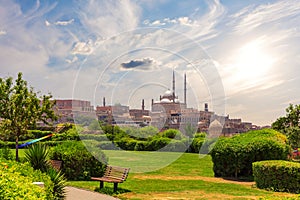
{"points": [[252, 60]]}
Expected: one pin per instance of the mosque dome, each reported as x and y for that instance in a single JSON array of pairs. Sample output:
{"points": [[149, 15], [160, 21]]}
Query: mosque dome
{"points": [[167, 94], [165, 100]]}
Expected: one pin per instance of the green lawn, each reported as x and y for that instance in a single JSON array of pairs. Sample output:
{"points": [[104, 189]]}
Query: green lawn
{"points": [[21, 153], [188, 177]]}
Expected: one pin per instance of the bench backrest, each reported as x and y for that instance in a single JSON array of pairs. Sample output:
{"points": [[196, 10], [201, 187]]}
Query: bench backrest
{"points": [[56, 164], [118, 173]]}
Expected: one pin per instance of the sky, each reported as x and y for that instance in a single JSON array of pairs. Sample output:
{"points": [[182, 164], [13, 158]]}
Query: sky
{"points": [[240, 57]]}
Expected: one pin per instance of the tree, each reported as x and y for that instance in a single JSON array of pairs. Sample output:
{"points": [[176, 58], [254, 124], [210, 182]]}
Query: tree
{"points": [[290, 124], [293, 135], [21, 108]]}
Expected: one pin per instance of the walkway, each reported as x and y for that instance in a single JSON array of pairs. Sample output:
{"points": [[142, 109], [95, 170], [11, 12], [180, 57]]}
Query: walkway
{"points": [[81, 194]]}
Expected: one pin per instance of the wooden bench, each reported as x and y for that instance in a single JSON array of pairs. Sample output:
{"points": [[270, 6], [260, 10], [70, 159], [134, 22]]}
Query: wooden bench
{"points": [[56, 164], [113, 174]]}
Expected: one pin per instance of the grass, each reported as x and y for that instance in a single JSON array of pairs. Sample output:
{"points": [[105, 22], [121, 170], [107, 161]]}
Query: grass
{"points": [[188, 177], [21, 153]]}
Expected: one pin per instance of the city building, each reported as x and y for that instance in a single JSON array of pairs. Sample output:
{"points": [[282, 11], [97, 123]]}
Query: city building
{"points": [[68, 109], [167, 112]]}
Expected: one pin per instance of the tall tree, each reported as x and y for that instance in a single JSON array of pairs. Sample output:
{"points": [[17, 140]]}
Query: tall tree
{"points": [[292, 118], [21, 108], [290, 124]]}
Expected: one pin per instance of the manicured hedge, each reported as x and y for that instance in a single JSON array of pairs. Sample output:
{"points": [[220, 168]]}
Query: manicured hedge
{"points": [[277, 175], [78, 162], [70, 134], [97, 137], [233, 157], [176, 146], [16, 182]]}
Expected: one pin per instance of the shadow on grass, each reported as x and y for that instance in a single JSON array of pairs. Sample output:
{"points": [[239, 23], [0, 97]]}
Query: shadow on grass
{"points": [[110, 191], [240, 179]]}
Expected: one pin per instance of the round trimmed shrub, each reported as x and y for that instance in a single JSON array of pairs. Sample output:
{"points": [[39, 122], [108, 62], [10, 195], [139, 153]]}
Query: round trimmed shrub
{"points": [[197, 144], [277, 175], [158, 143], [233, 157], [172, 133], [77, 162]]}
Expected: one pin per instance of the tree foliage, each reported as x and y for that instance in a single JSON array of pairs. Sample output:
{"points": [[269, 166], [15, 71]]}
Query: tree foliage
{"points": [[21, 108], [290, 124]]}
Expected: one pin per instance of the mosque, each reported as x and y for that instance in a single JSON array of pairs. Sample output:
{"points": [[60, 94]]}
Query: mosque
{"points": [[169, 112]]}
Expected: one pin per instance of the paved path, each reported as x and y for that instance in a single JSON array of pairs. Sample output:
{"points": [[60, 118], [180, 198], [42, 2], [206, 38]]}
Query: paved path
{"points": [[81, 194]]}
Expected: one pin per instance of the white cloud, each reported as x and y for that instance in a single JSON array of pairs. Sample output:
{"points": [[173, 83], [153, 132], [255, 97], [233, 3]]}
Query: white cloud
{"points": [[253, 17], [64, 23], [197, 26], [185, 21], [83, 48], [157, 23], [2, 32], [107, 18], [74, 59], [47, 23]]}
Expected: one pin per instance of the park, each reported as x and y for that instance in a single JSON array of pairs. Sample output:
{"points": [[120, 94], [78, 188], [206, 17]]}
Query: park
{"points": [[258, 164]]}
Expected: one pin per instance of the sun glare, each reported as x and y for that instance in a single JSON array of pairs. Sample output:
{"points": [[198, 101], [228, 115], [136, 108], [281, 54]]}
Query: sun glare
{"points": [[252, 60]]}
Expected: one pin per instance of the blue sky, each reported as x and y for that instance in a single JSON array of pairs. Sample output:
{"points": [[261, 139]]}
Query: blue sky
{"points": [[242, 57]]}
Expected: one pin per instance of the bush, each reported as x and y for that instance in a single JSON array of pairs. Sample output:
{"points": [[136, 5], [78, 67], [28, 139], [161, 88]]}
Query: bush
{"points": [[172, 133], [10, 145], [52, 143], [78, 162], [126, 143], [141, 146], [16, 182], [37, 156], [70, 134], [158, 143], [33, 134], [175, 146], [277, 175], [59, 182], [107, 145], [197, 144], [96, 137], [6, 153], [233, 157]]}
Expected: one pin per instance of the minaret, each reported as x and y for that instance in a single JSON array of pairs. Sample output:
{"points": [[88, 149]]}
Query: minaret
{"points": [[185, 89], [173, 86], [103, 101], [143, 104]]}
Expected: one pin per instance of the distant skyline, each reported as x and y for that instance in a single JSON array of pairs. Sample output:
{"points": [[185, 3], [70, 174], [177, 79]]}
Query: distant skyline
{"points": [[241, 57]]}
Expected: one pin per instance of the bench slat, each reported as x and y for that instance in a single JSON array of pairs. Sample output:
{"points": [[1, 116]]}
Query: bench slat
{"points": [[113, 174]]}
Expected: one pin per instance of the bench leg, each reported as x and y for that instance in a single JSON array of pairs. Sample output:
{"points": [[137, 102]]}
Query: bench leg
{"points": [[115, 187], [101, 184]]}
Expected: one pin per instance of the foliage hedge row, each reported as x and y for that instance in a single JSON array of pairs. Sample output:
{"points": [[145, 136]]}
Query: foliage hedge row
{"points": [[277, 175], [78, 162], [149, 139], [233, 157], [97, 137], [156, 144], [70, 134], [16, 182]]}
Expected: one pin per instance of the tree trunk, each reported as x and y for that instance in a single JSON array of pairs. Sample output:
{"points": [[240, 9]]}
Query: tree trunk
{"points": [[17, 148]]}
